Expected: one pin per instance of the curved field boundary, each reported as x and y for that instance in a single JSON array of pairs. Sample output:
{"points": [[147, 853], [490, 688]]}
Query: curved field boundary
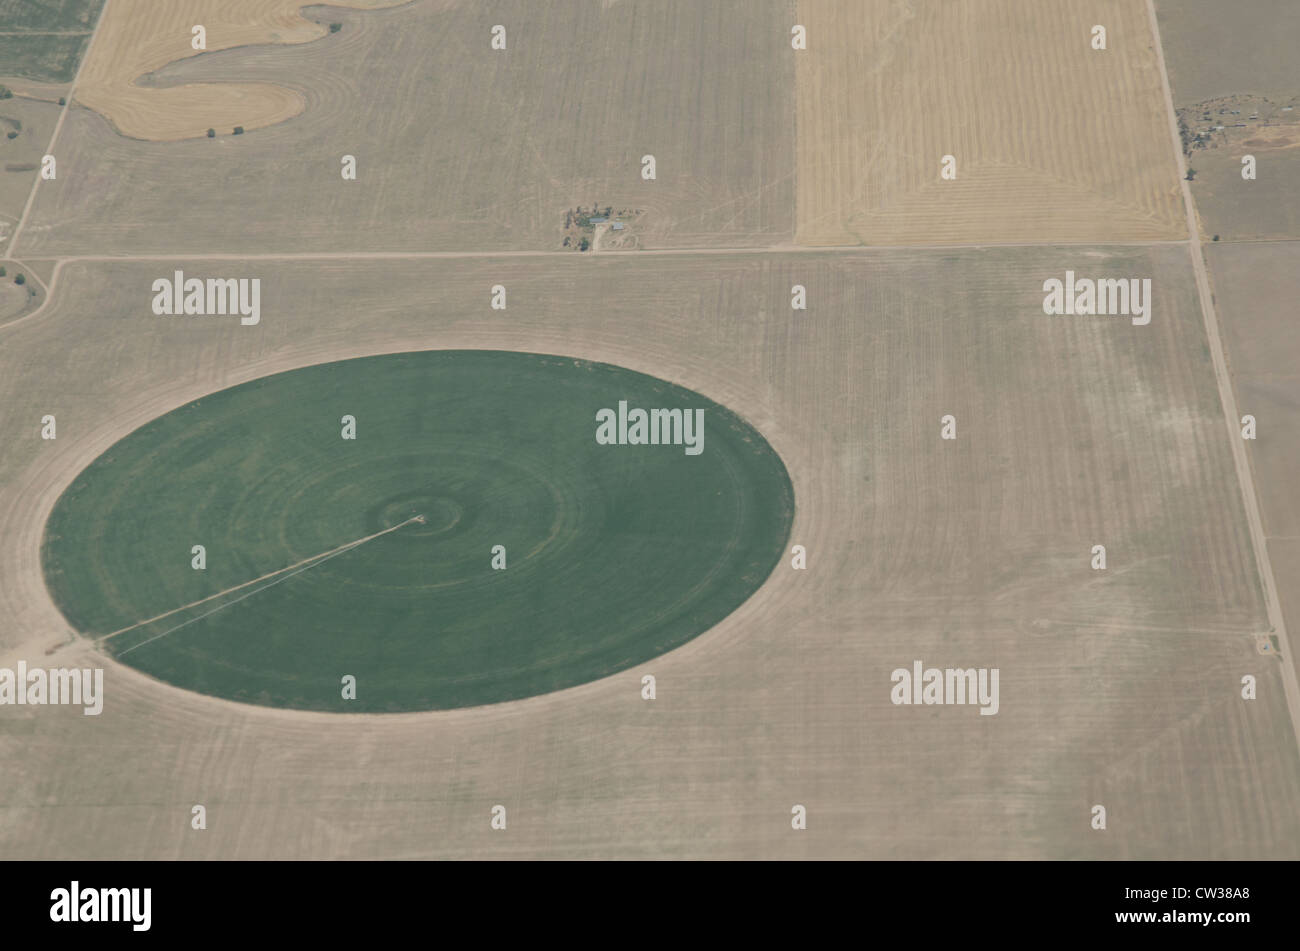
{"points": [[137, 37]]}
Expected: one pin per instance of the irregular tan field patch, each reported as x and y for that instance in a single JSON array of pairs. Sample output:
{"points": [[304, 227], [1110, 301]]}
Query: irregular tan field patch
{"points": [[1053, 140], [137, 37]]}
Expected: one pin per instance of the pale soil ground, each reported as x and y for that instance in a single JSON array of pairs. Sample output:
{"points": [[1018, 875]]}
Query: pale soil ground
{"points": [[459, 147], [1117, 687], [1054, 141], [12, 298], [138, 37], [1257, 286], [37, 119], [44, 270], [1214, 48]]}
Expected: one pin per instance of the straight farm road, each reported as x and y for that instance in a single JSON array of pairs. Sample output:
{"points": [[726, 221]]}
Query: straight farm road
{"points": [[1249, 497]]}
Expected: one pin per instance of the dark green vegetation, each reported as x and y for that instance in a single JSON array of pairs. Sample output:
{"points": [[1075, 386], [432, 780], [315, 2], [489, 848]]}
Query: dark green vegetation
{"points": [[615, 554], [59, 15], [47, 59], [59, 33]]}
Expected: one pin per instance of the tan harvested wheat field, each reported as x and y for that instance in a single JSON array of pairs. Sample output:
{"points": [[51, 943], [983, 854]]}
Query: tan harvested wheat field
{"points": [[138, 37], [1117, 688], [1053, 141]]}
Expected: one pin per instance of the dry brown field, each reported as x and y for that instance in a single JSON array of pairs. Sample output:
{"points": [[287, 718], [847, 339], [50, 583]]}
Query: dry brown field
{"points": [[1118, 687], [20, 156], [1053, 141], [1256, 286], [1267, 208], [13, 299], [1215, 49], [1247, 49], [139, 37], [459, 147]]}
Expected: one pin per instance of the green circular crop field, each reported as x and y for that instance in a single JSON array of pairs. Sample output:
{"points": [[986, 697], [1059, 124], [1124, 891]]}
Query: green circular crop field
{"points": [[374, 557]]}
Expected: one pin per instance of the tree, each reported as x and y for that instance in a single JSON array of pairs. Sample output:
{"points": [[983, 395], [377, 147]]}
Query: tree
{"points": [[239, 130], [1191, 174], [212, 133], [20, 279], [63, 101], [584, 244], [13, 133], [335, 27]]}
